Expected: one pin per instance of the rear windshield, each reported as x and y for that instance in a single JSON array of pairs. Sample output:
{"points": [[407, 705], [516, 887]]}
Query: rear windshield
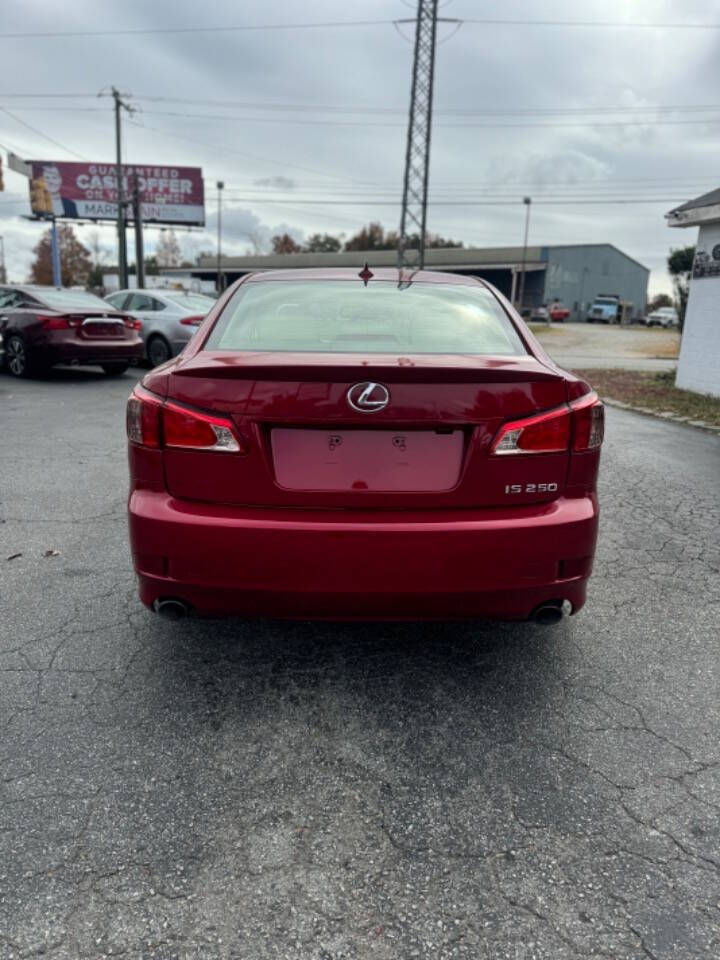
{"points": [[340, 316], [71, 299], [193, 301]]}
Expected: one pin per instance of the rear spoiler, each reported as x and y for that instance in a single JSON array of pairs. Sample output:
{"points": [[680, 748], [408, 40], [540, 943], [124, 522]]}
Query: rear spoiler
{"points": [[458, 368]]}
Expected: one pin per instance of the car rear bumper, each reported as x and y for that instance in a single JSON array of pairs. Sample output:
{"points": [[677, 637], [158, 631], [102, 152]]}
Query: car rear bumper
{"points": [[89, 352], [499, 563]]}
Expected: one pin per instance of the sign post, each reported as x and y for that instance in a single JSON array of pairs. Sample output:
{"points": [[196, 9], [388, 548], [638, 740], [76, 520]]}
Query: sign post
{"points": [[57, 278], [139, 250]]}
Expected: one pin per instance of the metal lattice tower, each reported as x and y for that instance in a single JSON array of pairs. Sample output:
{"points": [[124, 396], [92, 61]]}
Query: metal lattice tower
{"points": [[417, 159]]}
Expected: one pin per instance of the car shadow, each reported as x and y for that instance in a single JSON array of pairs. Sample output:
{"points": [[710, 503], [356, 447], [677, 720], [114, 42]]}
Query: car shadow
{"points": [[223, 671]]}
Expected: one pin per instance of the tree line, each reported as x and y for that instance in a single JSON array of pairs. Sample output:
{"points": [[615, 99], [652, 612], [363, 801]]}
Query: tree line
{"points": [[373, 236]]}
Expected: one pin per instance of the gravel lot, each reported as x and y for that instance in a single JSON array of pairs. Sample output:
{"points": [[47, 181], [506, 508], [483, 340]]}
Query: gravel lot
{"points": [[605, 345], [257, 790]]}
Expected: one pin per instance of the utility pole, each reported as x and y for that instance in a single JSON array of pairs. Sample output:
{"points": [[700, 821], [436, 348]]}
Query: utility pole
{"points": [[220, 187], [527, 201], [139, 247], [122, 240], [3, 272], [417, 156]]}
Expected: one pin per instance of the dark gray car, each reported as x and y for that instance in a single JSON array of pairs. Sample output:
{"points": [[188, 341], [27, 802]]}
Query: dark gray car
{"points": [[169, 318]]}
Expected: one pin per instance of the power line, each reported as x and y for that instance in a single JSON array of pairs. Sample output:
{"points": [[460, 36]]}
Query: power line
{"points": [[345, 24], [370, 109], [515, 202], [248, 156], [241, 28], [47, 96], [460, 126], [305, 121], [39, 133], [600, 24], [455, 111]]}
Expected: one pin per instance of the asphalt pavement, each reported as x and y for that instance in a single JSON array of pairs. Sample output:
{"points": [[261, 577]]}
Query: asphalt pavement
{"points": [[252, 790]]}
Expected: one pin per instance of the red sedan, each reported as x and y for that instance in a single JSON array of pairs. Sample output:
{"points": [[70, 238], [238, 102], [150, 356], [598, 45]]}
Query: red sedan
{"points": [[341, 445], [43, 326]]}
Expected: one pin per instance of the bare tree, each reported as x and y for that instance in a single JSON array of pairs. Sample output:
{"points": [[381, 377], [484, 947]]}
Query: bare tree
{"points": [[257, 241], [168, 249]]}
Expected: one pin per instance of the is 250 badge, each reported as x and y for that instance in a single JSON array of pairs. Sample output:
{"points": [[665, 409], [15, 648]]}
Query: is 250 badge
{"points": [[531, 488]]}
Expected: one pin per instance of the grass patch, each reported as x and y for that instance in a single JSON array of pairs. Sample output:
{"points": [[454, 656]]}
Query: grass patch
{"points": [[542, 328], [655, 391]]}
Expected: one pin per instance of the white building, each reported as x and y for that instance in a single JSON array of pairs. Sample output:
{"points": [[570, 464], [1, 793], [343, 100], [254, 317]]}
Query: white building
{"points": [[699, 363]]}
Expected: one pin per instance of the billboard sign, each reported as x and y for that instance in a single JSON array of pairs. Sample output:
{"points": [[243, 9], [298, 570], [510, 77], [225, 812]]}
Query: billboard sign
{"points": [[88, 191]]}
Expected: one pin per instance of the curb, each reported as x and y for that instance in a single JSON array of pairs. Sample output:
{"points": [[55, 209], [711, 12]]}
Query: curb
{"points": [[663, 415]]}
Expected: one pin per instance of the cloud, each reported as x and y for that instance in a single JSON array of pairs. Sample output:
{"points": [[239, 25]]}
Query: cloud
{"points": [[278, 183], [520, 73], [244, 232], [534, 168]]}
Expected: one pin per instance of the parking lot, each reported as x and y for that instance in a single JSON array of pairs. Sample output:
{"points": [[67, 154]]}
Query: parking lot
{"points": [[586, 345], [231, 789]]}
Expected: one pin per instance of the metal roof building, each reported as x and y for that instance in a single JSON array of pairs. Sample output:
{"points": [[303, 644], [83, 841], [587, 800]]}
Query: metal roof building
{"points": [[573, 274]]}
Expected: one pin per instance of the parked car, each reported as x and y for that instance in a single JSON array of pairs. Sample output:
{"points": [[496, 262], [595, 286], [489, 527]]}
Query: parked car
{"points": [[44, 326], [337, 445], [663, 317], [168, 317], [540, 314], [559, 313]]}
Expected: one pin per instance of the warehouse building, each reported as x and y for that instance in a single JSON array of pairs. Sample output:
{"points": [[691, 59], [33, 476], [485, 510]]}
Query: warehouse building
{"points": [[574, 275]]}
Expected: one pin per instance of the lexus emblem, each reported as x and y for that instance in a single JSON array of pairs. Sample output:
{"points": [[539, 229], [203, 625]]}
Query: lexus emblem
{"points": [[368, 397]]}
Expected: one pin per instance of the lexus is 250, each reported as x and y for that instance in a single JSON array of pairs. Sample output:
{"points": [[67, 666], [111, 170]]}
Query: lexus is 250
{"points": [[373, 445]]}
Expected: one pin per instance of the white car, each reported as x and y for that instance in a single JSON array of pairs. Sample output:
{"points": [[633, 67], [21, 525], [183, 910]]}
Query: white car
{"points": [[169, 318], [663, 317]]}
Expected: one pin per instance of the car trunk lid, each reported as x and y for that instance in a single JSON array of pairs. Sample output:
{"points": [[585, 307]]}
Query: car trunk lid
{"points": [[429, 446], [100, 326]]}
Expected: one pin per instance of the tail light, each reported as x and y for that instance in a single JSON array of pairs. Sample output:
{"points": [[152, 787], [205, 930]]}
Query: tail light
{"points": [[152, 422], [143, 418], [588, 415], [56, 322], [192, 321], [579, 425], [131, 323], [543, 433]]}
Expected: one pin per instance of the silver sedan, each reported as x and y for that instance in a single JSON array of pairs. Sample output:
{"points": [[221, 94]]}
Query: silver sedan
{"points": [[169, 318]]}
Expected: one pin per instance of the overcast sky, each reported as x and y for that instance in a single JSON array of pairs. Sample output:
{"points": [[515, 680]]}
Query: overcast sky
{"points": [[327, 118]]}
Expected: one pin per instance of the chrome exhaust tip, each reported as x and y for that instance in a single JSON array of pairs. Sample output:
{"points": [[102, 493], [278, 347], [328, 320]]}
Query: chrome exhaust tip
{"points": [[548, 613], [171, 608]]}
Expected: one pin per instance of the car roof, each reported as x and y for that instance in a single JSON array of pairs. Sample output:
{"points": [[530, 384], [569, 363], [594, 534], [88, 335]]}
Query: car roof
{"points": [[39, 289], [154, 293], [353, 273], [160, 293]]}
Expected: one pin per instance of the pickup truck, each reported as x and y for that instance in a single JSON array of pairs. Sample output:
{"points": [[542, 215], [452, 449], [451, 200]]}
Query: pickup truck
{"points": [[559, 313]]}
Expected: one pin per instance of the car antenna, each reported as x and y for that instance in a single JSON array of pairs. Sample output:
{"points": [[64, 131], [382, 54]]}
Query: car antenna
{"points": [[366, 274]]}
